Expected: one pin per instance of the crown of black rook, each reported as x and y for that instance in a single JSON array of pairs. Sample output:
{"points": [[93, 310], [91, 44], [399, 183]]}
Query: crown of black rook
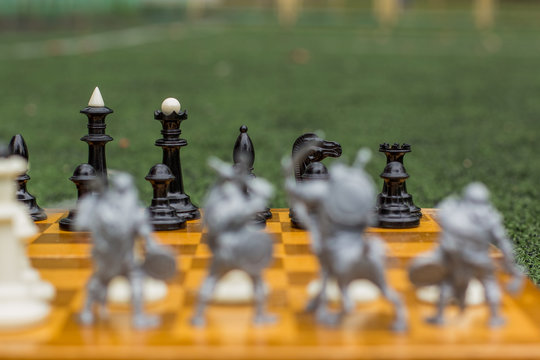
{"points": [[395, 207], [84, 177], [17, 146], [162, 215], [171, 144]]}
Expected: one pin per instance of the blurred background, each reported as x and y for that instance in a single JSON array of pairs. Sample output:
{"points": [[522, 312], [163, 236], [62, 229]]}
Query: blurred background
{"points": [[459, 80]]}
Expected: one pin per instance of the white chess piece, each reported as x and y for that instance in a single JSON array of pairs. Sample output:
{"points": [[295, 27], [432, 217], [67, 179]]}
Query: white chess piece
{"points": [[23, 295]]}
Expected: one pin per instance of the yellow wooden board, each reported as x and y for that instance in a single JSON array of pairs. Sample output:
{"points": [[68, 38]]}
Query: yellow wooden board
{"points": [[63, 259]]}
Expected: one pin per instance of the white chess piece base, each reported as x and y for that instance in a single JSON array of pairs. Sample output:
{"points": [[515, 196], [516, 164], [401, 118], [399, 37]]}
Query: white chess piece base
{"points": [[20, 306], [120, 290], [359, 290], [474, 295], [235, 287]]}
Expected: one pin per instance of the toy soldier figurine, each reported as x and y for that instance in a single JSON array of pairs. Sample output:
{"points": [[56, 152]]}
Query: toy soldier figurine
{"points": [[116, 221], [235, 244], [336, 212], [470, 226]]}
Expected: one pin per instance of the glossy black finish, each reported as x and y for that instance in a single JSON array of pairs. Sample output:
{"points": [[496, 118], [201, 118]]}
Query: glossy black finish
{"points": [[171, 144], [97, 139], [83, 177], [395, 208], [162, 215], [17, 146], [244, 158], [309, 167]]}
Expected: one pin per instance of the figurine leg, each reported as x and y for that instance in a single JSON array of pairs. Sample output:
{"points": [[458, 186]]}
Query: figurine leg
{"points": [[493, 299], [140, 320], [444, 296], [346, 302], [314, 302], [205, 294], [96, 291], [322, 314], [261, 317], [379, 279]]}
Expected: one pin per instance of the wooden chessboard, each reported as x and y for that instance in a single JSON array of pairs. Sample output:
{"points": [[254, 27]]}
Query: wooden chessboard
{"points": [[63, 259]]}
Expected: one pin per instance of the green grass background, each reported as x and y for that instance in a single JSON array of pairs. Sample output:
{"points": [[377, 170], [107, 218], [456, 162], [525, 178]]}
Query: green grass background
{"points": [[467, 101]]}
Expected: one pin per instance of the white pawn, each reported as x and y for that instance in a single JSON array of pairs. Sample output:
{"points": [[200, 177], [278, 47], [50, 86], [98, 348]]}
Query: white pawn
{"points": [[23, 294]]}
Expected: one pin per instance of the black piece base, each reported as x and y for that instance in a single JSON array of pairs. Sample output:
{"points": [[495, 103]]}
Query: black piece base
{"points": [[163, 218], [259, 220], [29, 201], [68, 223], [164, 225], [398, 222], [296, 223], [38, 214], [183, 206], [266, 213]]}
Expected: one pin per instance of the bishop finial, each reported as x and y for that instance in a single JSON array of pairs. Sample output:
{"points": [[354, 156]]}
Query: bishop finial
{"points": [[243, 149], [96, 100], [17, 146]]}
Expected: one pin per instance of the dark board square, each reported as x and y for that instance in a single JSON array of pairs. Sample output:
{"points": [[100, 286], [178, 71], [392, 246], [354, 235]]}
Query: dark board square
{"points": [[64, 238]]}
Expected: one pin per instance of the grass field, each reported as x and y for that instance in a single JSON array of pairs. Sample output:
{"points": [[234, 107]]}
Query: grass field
{"points": [[467, 101]]}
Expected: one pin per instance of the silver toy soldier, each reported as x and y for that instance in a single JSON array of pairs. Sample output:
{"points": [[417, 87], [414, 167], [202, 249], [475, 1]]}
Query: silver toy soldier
{"points": [[470, 226], [116, 221], [337, 213], [235, 244]]}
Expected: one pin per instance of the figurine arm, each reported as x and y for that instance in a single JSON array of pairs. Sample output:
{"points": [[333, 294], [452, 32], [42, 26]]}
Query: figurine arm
{"points": [[501, 240]]}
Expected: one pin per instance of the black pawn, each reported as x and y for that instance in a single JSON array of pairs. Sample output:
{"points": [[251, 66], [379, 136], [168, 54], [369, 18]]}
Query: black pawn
{"points": [[162, 215], [243, 159], [17, 146], [83, 177], [395, 207], [314, 171], [171, 144]]}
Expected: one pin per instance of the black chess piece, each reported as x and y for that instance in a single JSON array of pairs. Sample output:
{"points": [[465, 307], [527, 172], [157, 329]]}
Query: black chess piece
{"points": [[171, 144], [314, 171], [17, 146], [308, 151], [162, 214], [96, 138], [83, 177], [244, 158], [395, 208]]}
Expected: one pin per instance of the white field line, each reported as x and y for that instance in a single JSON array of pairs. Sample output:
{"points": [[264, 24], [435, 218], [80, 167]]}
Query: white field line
{"points": [[91, 43]]}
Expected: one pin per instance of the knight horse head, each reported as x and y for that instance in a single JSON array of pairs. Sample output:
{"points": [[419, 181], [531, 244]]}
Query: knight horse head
{"points": [[310, 148]]}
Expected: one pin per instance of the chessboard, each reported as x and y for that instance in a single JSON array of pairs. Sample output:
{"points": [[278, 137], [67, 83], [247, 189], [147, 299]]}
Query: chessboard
{"points": [[63, 258]]}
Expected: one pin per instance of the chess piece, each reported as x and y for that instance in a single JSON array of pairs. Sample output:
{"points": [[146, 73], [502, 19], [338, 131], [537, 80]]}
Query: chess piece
{"points": [[235, 245], [83, 178], [395, 208], [337, 212], [470, 226], [170, 117], [116, 222], [162, 214], [244, 158], [23, 295], [309, 166], [96, 111], [17, 146]]}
